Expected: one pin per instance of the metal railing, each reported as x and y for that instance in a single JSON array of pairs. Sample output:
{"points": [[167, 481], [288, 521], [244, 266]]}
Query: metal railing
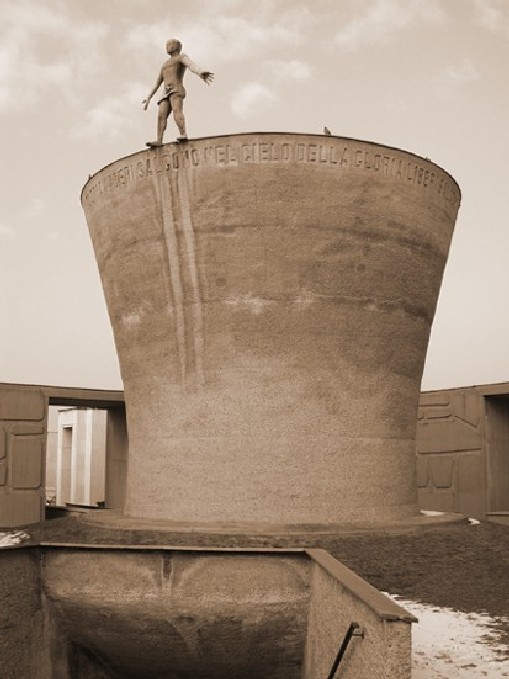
{"points": [[353, 631]]}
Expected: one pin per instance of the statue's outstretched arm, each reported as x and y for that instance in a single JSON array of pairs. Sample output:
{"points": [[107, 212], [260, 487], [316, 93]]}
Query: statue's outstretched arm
{"points": [[158, 84], [206, 76]]}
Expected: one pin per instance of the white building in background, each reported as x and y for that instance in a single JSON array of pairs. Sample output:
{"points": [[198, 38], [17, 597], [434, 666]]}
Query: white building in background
{"points": [[75, 459]]}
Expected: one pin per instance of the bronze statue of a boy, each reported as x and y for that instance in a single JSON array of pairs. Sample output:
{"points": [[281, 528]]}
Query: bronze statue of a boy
{"points": [[172, 75]]}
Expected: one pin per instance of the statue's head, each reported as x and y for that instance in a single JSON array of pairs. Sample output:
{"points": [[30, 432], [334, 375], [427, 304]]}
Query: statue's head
{"points": [[173, 46]]}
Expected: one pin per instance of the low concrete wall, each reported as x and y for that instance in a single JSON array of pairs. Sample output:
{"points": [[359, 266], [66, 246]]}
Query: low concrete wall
{"points": [[338, 598], [139, 612], [23, 649], [104, 612]]}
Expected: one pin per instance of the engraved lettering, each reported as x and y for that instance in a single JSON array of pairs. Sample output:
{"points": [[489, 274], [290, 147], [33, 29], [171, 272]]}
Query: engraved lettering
{"points": [[264, 151], [220, 154], [312, 153], [229, 155], [246, 153], [334, 153]]}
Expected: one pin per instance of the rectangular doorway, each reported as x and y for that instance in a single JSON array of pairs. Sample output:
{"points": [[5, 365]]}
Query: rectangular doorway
{"points": [[497, 452]]}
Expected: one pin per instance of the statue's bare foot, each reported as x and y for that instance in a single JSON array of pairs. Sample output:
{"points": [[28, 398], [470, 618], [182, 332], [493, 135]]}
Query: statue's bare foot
{"points": [[182, 138], [154, 144]]}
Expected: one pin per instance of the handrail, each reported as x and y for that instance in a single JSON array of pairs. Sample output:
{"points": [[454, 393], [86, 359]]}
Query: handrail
{"points": [[351, 632]]}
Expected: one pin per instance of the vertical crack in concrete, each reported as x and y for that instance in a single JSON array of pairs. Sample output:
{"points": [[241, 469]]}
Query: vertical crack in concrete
{"points": [[190, 242], [172, 251]]}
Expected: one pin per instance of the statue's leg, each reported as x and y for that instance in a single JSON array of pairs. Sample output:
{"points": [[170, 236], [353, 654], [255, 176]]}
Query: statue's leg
{"points": [[177, 104], [163, 112], [162, 119]]}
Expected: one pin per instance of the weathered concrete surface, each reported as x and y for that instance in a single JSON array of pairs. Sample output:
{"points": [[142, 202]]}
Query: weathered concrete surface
{"points": [[462, 441], [168, 615], [201, 614], [23, 412], [271, 297], [338, 598]]}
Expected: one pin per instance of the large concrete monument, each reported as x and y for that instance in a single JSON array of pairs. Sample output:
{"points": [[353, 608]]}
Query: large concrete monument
{"points": [[271, 297]]}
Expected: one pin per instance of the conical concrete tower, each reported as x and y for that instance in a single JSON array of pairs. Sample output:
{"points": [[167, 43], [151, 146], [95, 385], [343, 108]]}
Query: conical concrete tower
{"points": [[271, 297]]}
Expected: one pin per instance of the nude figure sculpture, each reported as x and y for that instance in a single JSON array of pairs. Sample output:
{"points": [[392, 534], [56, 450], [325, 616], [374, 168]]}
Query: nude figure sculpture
{"points": [[172, 76]]}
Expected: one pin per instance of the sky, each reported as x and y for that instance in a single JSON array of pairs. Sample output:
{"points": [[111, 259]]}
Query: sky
{"points": [[427, 76]]}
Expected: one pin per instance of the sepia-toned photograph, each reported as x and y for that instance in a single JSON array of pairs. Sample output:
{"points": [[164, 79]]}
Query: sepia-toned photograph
{"points": [[254, 366]]}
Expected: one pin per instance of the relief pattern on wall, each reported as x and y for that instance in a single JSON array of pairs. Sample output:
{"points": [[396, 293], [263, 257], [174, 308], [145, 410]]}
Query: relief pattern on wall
{"points": [[450, 452], [22, 449]]}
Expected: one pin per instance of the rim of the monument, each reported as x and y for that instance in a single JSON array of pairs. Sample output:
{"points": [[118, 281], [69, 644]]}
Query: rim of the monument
{"points": [[273, 132], [113, 518]]}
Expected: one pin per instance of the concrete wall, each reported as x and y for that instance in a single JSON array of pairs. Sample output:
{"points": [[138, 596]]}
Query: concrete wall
{"points": [[463, 450], [271, 297], [155, 613], [104, 612], [338, 598], [451, 455], [227, 613], [22, 454], [24, 652]]}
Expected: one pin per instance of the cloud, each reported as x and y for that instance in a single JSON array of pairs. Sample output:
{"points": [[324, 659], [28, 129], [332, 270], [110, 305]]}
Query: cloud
{"points": [[7, 232], [379, 19], [458, 74], [111, 116], [219, 37], [42, 46], [35, 208], [253, 97], [492, 14], [290, 70]]}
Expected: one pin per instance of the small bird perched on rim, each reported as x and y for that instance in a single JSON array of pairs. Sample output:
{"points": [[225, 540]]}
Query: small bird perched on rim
{"points": [[327, 131]]}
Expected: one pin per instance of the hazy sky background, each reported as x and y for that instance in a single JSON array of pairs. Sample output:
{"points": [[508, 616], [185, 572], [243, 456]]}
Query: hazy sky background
{"points": [[428, 76]]}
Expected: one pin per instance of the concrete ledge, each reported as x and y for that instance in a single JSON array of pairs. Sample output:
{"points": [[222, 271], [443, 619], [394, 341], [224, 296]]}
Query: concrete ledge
{"points": [[112, 519], [384, 608], [501, 518]]}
